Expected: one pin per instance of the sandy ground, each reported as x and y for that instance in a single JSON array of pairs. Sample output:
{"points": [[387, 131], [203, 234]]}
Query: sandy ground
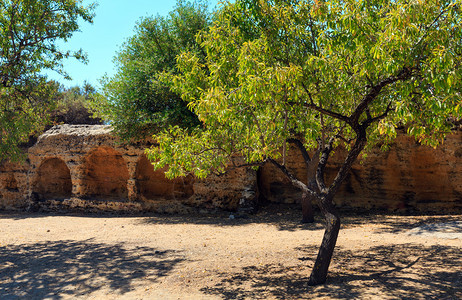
{"points": [[264, 256]]}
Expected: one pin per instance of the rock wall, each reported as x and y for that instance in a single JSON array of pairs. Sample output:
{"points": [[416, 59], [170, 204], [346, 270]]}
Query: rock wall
{"points": [[13, 185], [409, 176], [86, 167]]}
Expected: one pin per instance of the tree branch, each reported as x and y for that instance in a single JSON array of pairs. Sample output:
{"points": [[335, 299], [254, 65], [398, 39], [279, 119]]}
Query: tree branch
{"points": [[312, 105], [322, 165], [294, 180], [262, 138], [371, 120], [359, 145], [301, 147], [327, 112], [443, 11], [374, 91]]}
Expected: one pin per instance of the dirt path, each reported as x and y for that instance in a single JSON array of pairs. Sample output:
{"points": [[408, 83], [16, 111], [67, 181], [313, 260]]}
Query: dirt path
{"points": [[266, 256]]}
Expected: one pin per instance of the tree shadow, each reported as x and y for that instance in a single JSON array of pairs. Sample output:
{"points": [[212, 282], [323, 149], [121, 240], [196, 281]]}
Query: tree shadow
{"points": [[422, 224], [407, 271], [286, 217], [57, 269]]}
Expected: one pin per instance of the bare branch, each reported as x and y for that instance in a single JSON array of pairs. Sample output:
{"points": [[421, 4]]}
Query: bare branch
{"points": [[359, 145], [301, 147], [369, 121], [374, 91], [294, 180], [327, 112]]}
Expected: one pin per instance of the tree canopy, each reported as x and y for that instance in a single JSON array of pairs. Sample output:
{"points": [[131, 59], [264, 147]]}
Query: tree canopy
{"points": [[72, 105], [316, 74], [135, 102], [29, 31]]}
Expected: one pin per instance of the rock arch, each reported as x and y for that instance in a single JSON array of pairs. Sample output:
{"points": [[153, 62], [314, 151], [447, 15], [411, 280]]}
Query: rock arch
{"points": [[105, 175], [53, 180], [152, 185]]}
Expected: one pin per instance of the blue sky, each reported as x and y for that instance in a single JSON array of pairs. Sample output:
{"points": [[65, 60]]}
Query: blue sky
{"points": [[113, 24]]}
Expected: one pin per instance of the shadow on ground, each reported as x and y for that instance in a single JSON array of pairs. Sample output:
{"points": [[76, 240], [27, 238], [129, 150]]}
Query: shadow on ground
{"points": [[287, 217], [448, 223], [55, 269], [392, 272], [284, 216]]}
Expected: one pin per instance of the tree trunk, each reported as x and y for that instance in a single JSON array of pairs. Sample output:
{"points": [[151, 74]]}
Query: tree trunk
{"points": [[307, 199], [321, 266], [307, 209]]}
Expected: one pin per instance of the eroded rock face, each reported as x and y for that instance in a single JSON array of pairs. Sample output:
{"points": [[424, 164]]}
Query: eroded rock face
{"points": [[409, 176], [13, 185], [85, 167]]}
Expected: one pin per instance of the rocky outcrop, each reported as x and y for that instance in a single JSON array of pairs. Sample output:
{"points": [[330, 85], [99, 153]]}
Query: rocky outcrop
{"points": [[86, 167], [408, 176]]}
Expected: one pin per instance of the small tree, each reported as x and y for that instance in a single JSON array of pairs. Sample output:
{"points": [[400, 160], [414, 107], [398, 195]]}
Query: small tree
{"points": [[72, 105], [29, 30], [319, 74], [135, 102]]}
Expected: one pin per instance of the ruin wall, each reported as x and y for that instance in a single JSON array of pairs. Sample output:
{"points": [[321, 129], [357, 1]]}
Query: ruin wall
{"points": [[85, 167], [407, 177]]}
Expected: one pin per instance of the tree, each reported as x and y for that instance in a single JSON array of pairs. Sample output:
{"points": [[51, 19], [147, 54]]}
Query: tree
{"points": [[72, 105], [29, 30], [317, 74], [135, 102]]}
